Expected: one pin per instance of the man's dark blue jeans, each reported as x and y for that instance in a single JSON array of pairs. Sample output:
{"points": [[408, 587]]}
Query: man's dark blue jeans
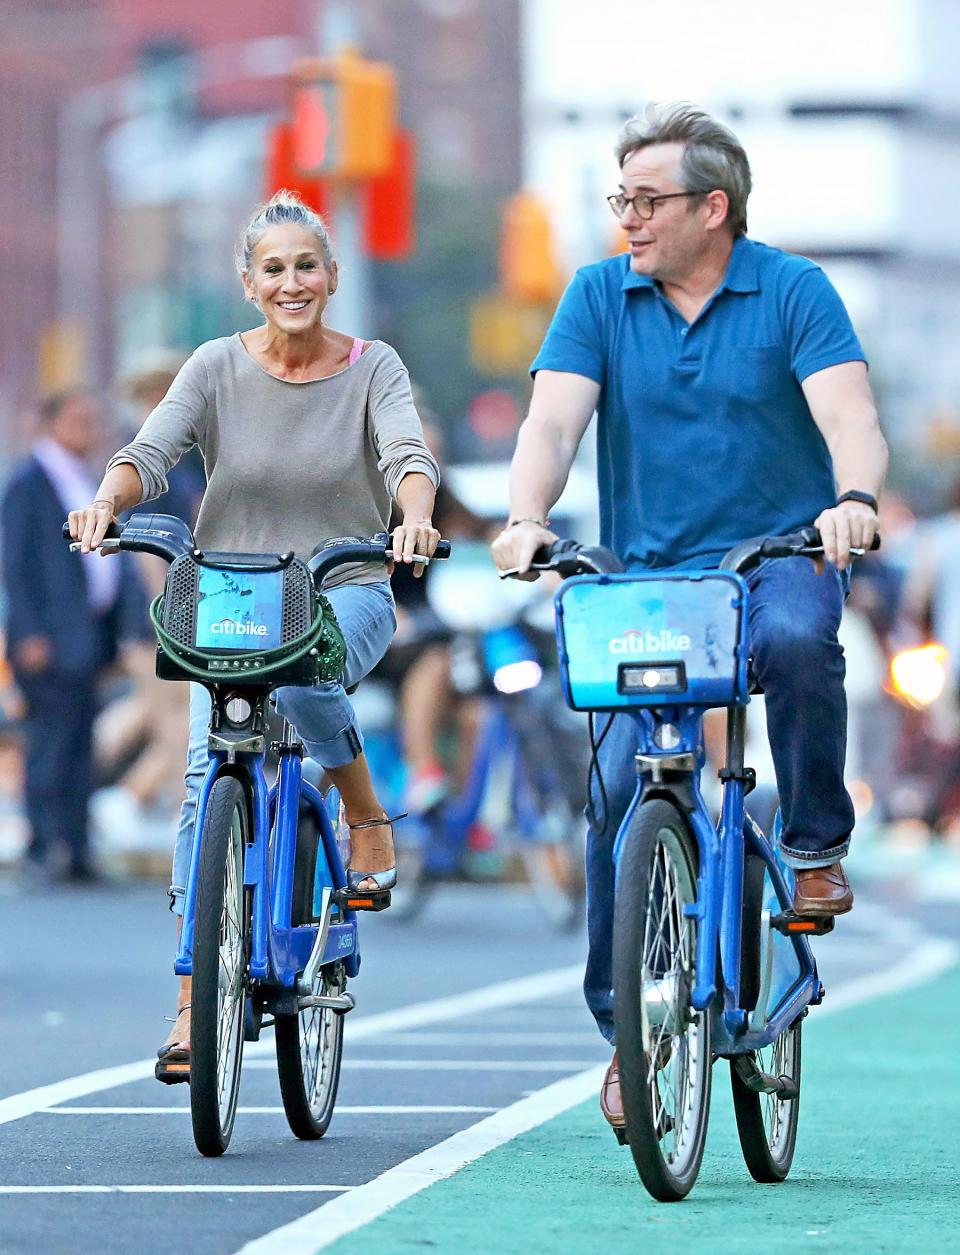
{"points": [[794, 617]]}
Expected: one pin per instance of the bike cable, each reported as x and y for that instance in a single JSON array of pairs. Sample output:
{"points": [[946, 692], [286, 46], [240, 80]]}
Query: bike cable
{"points": [[594, 770]]}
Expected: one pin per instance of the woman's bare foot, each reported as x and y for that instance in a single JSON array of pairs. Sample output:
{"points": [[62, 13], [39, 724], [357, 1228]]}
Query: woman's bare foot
{"points": [[179, 1035], [371, 848]]}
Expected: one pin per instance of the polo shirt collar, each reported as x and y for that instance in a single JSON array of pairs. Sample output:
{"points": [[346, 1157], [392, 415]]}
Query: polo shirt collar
{"points": [[741, 273]]}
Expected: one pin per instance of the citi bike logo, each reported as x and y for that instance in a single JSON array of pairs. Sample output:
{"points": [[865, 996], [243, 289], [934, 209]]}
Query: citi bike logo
{"points": [[635, 641], [234, 627]]}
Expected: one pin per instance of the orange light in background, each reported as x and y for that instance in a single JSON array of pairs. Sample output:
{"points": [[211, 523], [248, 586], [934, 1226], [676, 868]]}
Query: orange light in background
{"points": [[862, 796], [528, 266], [917, 676], [344, 116]]}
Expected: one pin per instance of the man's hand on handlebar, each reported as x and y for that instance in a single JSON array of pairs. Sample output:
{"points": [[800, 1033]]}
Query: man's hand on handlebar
{"points": [[514, 548], [843, 528], [90, 525]]}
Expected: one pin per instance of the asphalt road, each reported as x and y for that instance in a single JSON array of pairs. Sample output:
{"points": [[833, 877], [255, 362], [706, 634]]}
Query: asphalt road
{"points": [[109, 1164]]}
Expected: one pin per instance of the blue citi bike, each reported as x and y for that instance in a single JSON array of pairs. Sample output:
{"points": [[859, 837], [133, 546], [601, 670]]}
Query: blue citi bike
{"points": [[269, 932], [709, 959]]}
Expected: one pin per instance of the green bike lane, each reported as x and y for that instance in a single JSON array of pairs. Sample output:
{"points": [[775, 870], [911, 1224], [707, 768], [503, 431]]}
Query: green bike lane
{"points": [[876, 1167]]}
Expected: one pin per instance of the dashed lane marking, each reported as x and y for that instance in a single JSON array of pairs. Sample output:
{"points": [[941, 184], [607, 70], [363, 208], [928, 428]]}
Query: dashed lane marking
{"points": [[266, 1111], [521, 989]]}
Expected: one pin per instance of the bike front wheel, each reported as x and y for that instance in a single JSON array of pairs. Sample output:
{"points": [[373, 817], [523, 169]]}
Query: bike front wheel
{"points": [[219, 968], [766, 1122], [309, 1050], [662, 1043]]}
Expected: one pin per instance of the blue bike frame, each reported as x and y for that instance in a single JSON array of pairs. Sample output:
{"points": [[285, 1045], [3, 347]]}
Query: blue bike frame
{"points": [[278, 950], [721, 858]]}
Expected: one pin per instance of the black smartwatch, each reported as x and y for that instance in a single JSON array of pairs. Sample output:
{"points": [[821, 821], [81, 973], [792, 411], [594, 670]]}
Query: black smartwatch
{"points": [[863, 497]]}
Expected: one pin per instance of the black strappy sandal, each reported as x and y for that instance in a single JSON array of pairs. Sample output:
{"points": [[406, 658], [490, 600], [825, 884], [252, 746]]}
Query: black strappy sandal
{"points": [[173, 1060], [357, 899]]}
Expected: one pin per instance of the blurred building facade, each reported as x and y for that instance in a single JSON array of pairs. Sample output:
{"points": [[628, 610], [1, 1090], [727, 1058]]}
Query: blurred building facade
{"points": [[850, 114]]}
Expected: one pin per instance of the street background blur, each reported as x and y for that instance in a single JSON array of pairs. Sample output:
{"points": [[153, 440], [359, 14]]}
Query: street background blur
{"points": [[136, 139]]}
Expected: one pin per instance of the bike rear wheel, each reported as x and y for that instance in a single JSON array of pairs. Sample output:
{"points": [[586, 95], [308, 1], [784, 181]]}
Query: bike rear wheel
{"points": [[766, 1123], [309, 1050], [219, 968], [663, 1045]]}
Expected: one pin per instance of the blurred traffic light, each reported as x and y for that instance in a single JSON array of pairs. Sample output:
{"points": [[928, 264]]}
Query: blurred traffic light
{"points": [[388, 204], [527, 263], [505, 334], [344, 116], [282, 171]]}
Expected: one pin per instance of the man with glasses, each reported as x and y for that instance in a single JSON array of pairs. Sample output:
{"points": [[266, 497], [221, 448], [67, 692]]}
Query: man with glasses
{"points": [[732, 401]]}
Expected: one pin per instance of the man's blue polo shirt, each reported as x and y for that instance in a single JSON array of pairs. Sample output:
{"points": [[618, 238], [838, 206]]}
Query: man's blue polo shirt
{"points": [[704, 435]]}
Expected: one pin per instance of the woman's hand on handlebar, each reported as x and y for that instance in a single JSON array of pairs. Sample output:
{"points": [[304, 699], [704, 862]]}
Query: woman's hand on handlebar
{"points": [[90, 525], [514, 548], [850, 525], [413, 536]]}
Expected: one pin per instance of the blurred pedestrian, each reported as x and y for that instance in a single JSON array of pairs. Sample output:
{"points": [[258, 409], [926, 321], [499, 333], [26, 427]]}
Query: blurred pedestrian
{"points": [[65, 622], [147, 729]]}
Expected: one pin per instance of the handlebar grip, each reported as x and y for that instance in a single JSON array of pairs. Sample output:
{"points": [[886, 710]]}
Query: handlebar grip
{"points": [[442, 549], [113, 531]]}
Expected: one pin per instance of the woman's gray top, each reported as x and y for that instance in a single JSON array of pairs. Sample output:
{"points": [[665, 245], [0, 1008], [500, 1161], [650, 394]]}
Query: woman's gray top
{"points": [[288, 464]]}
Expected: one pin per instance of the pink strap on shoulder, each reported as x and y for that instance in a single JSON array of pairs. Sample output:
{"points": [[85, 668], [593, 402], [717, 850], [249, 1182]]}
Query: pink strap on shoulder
{"points": [[356, 351]]}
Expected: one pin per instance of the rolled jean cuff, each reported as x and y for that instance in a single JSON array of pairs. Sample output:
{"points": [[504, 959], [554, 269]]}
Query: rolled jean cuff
{"points": [[337, 751], [814, 858], [176, 894]]}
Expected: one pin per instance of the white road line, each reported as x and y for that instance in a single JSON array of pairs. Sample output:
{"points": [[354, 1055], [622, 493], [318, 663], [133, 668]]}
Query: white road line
{"points": [[324, 1225], [265, 1111], [175, 1189], [477, 1036], [929, 960], [502, 994], [452, 1065]]}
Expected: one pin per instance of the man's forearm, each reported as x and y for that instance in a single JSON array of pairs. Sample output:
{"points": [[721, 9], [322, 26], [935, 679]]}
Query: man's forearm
{"points": [[860, 457], [539, 470]]}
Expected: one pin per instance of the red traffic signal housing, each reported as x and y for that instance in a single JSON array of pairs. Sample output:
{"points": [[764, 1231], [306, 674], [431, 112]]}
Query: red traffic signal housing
{"points": [[344, 116], [282, 171], [388, 204]]}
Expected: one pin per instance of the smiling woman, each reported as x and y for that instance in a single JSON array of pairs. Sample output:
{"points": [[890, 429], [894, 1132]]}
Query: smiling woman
{"points": [[306, 433]]}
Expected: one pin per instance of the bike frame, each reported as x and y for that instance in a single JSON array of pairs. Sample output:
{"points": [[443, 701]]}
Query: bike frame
{"points": [[278, 950], [721, 851]]}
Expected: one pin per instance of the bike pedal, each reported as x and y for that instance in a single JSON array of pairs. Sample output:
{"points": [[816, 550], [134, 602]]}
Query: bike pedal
{"points": [[791, 924], [172, 1071], [353, 900], [621, 1136]]}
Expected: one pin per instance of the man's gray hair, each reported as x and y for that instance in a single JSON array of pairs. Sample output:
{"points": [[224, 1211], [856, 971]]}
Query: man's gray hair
{"points": [[713, 157], [284, 206]]}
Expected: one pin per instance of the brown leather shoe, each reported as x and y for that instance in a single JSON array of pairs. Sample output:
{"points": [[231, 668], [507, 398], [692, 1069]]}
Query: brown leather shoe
{"points": [[822, 891], [611, 1104]]}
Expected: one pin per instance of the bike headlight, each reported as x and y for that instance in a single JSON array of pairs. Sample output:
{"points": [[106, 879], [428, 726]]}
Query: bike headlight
{"points": [[515, 677], [238, 710]]}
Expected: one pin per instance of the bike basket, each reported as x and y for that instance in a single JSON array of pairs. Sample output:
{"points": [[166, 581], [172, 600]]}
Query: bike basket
{"points": [[652, 640], [246, 624]]}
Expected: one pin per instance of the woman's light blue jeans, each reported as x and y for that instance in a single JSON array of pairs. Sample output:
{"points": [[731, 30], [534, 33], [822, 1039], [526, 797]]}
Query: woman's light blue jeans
{"points": [[322, 715]]}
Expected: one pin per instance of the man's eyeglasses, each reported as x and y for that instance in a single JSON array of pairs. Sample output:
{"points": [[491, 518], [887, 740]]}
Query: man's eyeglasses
{"points": [[643, 206]]}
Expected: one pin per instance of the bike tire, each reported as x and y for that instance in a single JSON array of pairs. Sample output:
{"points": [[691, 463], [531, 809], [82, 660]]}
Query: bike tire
{"points": [[766, 1124], [554, 853], [219, 968], [309, 1052], [663, 1047]]}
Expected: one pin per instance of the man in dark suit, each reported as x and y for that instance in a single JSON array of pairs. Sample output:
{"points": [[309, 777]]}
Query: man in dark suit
{"points": [[65, 618]]}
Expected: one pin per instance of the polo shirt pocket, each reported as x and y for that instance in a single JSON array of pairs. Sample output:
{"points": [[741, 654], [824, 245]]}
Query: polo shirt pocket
{"points": [[761, 369]]}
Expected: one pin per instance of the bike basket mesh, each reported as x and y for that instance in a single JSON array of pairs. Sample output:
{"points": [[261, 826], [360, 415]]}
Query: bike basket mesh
{"points": [[653, 640], [215, 621]]}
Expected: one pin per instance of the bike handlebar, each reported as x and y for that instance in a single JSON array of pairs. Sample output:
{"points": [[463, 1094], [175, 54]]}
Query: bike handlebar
{"points": [[170, 538], [568, 557]]}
